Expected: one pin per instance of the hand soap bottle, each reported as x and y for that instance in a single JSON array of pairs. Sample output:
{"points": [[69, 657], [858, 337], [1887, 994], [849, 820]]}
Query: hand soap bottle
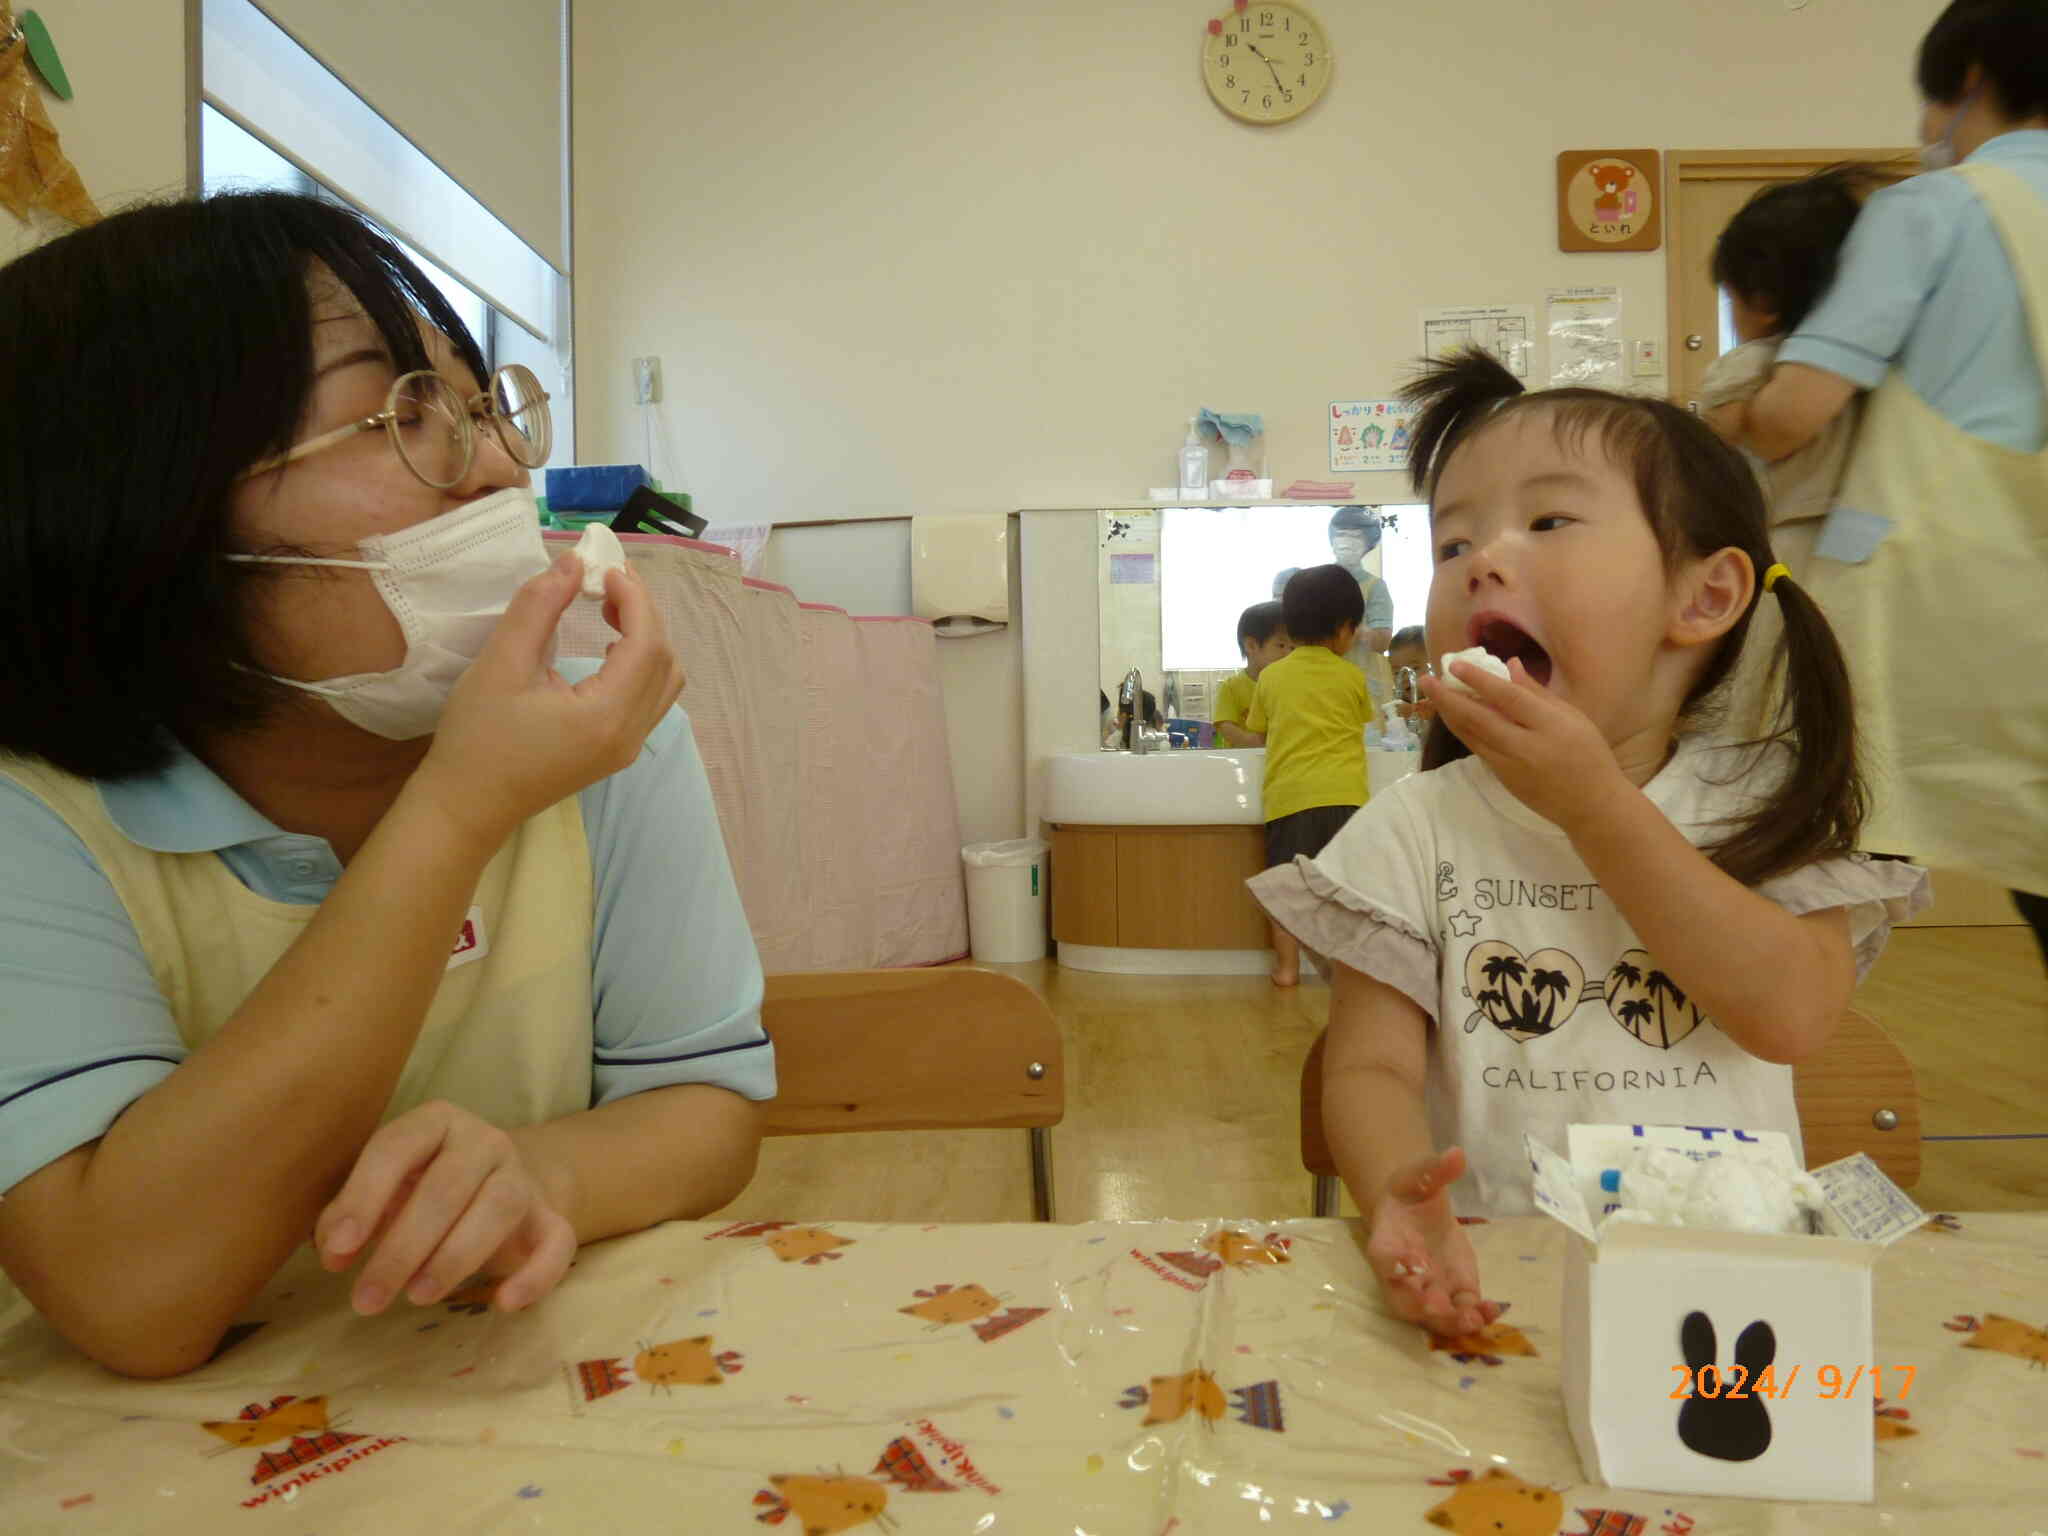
{"points": [[1194, 464]]}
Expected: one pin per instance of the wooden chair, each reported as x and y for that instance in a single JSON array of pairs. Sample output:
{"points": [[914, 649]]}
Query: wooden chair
{"points": [[950, 1048], [1858, 1095]]}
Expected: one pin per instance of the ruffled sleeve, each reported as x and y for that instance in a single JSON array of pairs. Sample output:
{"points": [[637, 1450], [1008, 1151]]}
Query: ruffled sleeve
{"points": [[1876, 893], [1338, 923]]}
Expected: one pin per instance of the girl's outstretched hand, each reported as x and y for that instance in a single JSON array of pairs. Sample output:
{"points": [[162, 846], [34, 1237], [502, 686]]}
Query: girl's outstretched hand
{"points": [[1547, 752], [1426, 1267]]}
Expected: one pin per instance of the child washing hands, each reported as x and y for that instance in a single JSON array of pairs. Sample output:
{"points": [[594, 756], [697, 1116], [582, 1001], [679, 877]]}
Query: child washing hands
{"points": [[1585, 908]]}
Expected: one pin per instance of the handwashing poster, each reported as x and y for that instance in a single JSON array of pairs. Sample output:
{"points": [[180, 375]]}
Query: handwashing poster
{"points": [[1368, 435]]}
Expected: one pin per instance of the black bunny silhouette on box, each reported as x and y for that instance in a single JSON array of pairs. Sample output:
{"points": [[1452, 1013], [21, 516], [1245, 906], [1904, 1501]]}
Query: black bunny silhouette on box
{"points": [[1692, 1358]]}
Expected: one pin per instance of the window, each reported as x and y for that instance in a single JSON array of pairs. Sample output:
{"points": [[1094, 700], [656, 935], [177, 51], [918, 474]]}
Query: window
{"points": [[273, 117]]}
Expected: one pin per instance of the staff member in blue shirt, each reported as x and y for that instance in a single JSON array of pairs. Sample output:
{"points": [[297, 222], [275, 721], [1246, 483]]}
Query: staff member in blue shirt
{"points": [[1940, 308], [329, 907]]}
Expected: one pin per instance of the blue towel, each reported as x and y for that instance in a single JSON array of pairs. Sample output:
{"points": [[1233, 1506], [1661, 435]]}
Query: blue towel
{"points": [[594, 487], [1238, 427]]}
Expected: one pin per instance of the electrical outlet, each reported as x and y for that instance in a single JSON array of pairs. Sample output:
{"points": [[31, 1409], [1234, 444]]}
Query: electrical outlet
{"points": [[646, 380], [1649, 359]]}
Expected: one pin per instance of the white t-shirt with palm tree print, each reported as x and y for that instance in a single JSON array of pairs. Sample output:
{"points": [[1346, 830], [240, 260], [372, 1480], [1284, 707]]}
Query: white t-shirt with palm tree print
{"points": [[1546, 1008]]}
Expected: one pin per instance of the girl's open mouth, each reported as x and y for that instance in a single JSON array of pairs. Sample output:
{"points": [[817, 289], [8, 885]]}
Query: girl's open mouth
{"points": [[1508, 640]]}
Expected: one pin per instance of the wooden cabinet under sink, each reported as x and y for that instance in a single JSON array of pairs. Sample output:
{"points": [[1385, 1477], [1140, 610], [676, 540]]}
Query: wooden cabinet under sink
{"points": [[1157, 887]]}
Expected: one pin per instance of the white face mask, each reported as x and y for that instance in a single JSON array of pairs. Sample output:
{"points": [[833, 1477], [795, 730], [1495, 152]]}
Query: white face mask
{"points": [[447, 581], [1347, 548]]}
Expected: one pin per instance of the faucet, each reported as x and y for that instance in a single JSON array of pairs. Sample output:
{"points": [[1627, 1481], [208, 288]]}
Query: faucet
{"points": [[1130, 703]]}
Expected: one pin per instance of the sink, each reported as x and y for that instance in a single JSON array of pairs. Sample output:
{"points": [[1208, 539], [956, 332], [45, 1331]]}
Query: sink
{"points": [[1156, 789]]}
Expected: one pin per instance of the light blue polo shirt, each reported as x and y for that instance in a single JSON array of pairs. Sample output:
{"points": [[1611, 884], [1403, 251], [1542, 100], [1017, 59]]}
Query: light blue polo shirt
{"points": [[1925, 283], [675, 978]]}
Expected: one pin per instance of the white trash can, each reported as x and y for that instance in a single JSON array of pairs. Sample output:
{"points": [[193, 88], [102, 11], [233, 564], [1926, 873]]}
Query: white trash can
{"points": [[1006, 899]]}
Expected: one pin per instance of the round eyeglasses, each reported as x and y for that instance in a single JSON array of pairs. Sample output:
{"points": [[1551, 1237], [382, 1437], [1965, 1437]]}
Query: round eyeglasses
{"points": [[433, 428]]}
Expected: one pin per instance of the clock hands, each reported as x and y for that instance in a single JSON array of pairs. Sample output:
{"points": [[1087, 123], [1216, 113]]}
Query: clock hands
{"points": [[1254, 50]]}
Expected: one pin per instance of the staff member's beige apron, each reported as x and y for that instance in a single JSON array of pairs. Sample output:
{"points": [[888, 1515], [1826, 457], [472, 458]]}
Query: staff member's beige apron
{"points": [[1946, 624]]}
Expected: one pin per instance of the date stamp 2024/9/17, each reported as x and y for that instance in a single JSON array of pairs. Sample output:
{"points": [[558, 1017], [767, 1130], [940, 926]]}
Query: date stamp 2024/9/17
{"points": [[1830, 1382]]}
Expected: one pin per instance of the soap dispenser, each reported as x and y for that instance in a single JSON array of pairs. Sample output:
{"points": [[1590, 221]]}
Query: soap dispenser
{"points": [[1194, 464]]}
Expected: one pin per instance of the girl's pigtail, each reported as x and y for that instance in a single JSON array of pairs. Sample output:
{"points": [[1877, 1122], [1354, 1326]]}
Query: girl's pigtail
{"points": [[1451, 396], [1818, 811]]}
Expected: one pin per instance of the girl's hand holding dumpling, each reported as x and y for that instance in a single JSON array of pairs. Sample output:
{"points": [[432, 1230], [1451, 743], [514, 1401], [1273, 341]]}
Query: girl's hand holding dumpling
{"points": [[1549, 753]]}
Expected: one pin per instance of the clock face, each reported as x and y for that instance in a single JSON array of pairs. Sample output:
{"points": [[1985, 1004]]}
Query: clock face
{"points": [[1265, 63]]}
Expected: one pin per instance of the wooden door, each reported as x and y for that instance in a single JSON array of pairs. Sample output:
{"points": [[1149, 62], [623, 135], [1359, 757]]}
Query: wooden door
{"points": [[1703, 190]]}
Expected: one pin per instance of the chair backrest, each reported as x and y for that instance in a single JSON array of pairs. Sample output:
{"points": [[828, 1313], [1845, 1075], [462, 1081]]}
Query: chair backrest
{"points": [[910, 1050], [1842, 1096]]}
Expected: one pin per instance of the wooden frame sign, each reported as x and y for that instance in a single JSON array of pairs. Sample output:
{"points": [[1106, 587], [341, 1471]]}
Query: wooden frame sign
{"points": [[1609, 200]]}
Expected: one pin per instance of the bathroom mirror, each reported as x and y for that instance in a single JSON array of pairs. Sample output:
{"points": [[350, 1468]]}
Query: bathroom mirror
{"points": [[1172, 581]]}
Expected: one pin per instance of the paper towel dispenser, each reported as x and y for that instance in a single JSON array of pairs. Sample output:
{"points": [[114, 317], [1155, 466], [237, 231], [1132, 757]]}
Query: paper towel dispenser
{"points": [[960, 571]]}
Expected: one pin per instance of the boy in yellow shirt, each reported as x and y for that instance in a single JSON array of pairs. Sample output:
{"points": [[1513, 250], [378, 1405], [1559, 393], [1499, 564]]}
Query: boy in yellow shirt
{"points": [[1262, 640], [1310, 709]]}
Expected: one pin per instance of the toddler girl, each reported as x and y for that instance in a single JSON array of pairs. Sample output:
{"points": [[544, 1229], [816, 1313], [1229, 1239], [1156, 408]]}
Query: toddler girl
{"points": [[1584, 909]]}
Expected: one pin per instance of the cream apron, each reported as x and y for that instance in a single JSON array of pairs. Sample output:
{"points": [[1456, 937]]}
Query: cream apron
{"points": [[509, 1033], [1944, 625]]}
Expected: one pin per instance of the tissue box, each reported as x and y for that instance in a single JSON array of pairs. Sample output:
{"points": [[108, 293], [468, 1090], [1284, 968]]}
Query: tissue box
{"points": [[1723, 1363]]}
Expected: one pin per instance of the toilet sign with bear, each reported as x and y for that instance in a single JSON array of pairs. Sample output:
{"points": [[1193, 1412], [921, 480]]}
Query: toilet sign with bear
{"points": [[1609, 200], [1699, 1361]]}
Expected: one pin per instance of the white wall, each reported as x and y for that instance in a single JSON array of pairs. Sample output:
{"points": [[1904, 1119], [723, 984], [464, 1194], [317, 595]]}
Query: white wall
{"points": [[917, 256], [125, 126]]}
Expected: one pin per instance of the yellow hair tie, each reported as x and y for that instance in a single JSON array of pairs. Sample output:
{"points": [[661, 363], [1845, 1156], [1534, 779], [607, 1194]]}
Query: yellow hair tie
{"points": [[1771, 576]]}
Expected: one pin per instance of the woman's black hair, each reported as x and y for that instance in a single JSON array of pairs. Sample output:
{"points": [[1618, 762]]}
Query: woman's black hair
{"points": [[1259, 622], [1319, 601], [1699, 497], [2006, 40], [145, 362], [1778, 253]]}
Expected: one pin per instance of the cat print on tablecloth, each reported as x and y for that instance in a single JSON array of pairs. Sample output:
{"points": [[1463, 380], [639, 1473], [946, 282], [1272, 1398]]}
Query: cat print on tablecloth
{"points": [[826, 1503], [1488, 1346], [822, 1505], [2007, 1335], [945, 1304], [1166, 1399], [677, 1363], [1229, 1248], [303, 1425], [1497, 1504], [1531, 997], [789, 1242]]}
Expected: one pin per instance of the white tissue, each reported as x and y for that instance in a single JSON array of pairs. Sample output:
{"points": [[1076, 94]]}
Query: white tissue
{"points": [[600, 550], [1730, 1193], [1479, 656]]}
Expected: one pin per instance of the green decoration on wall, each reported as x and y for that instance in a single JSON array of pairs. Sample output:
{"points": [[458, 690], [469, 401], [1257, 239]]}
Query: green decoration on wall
{"points": [[43, 51]]}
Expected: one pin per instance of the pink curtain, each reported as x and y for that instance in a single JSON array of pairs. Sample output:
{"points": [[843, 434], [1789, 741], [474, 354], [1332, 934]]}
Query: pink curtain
{"points": [[824, 740]]}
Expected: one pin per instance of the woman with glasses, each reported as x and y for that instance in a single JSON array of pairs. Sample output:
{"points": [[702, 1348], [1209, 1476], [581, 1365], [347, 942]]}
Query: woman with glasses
{"points": [[331, 908]]}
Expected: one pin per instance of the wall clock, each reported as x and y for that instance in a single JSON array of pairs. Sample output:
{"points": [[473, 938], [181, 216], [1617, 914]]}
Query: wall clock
{"points": [[1265, 61]]}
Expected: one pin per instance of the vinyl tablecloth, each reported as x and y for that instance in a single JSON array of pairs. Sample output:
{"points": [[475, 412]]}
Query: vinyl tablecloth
{"points": [[1149, 1378]]}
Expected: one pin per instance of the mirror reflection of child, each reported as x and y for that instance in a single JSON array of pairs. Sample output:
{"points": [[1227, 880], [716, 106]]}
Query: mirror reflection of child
{"points": [[1262, 640], [1410, 648], [1310, 708]]}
